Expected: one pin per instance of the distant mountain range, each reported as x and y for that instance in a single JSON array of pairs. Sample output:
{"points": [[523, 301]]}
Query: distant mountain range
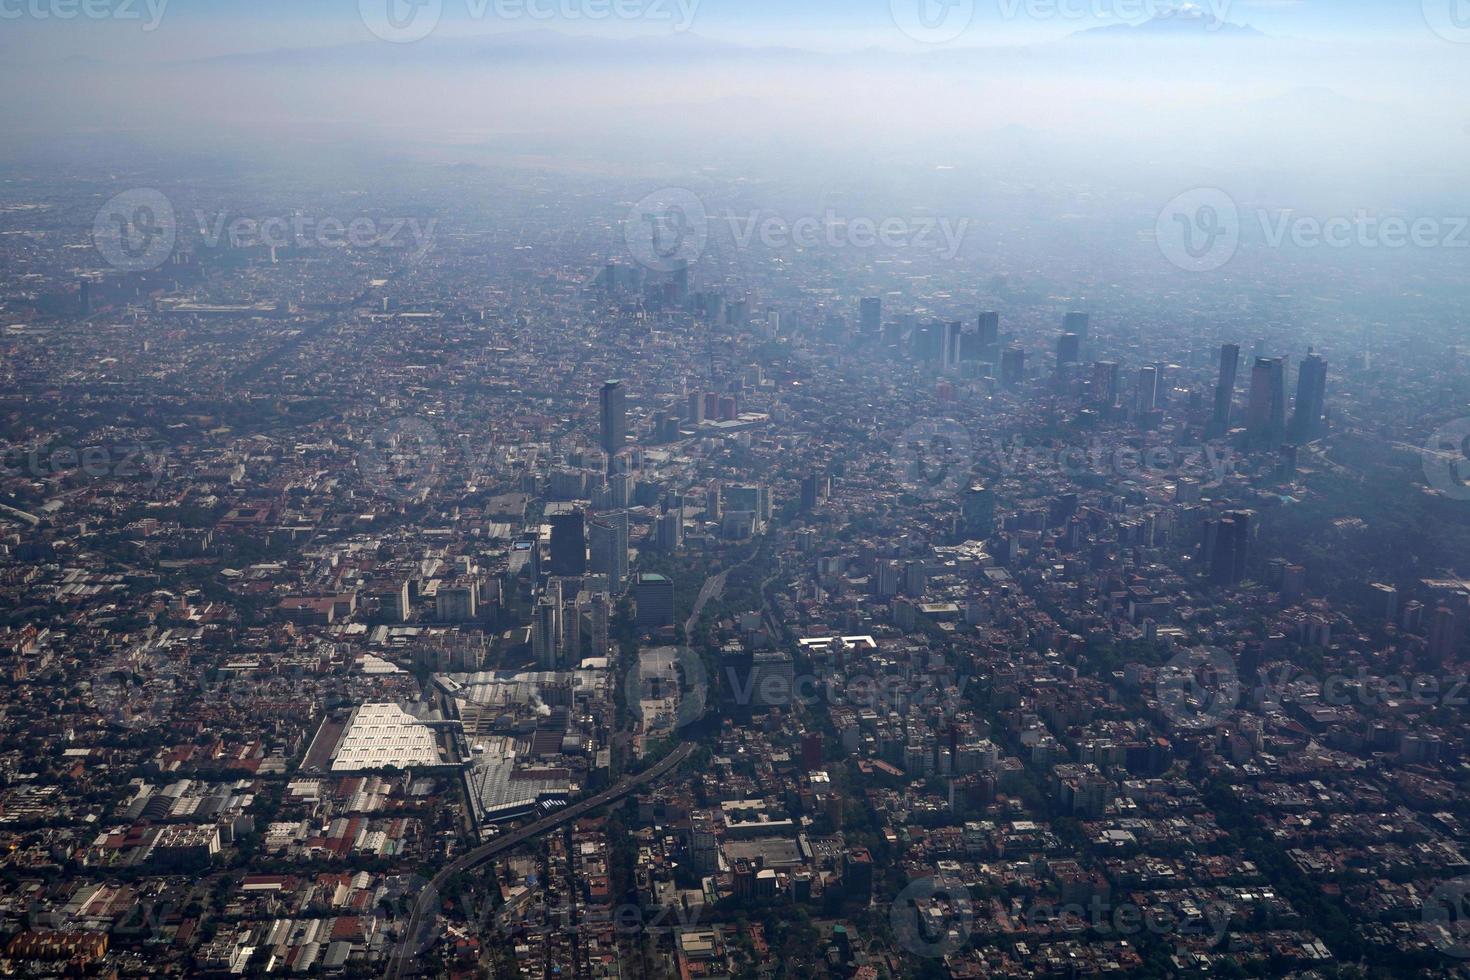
{"points": [[1186, 21], [540, 45], [553, 47]]}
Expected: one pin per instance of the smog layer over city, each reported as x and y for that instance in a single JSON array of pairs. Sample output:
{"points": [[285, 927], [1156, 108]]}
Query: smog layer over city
{"points": [[735, 489]]}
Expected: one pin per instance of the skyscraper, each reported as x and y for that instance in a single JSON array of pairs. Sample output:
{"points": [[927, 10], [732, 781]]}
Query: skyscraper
{"points": [[1225, 390], [1105, 383], [568, 543], [669, 531], [871, 316], [1311, 395], [614, 407], [1442, 635], [608, 535], [654, 596], [1266, 410], [1076, 323], [885, 579], [989, 326], [926, 342], [1227, 547], [772, 677], [1012, 367], [1069, 349], [949, 358], [978, 511], [1148, 390], [809, 492], [546, 638]]}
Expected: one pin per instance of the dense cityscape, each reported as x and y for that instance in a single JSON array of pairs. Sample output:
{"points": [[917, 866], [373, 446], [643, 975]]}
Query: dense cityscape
{"points": [[475, 570]]}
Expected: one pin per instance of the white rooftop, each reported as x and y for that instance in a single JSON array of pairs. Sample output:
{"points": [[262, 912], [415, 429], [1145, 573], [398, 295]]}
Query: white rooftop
{"points": [[380, 735]]}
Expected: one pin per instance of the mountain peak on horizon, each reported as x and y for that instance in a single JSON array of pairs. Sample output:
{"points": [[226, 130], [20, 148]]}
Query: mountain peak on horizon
{"points": [[1185, 20]]}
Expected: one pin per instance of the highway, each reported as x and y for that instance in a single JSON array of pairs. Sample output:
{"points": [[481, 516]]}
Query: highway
{"points": [[713, 587], [426, 907]]}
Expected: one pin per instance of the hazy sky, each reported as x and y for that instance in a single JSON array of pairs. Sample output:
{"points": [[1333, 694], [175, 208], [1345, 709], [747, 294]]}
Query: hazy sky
{"points": [[1352, 98], [184, 28]]}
